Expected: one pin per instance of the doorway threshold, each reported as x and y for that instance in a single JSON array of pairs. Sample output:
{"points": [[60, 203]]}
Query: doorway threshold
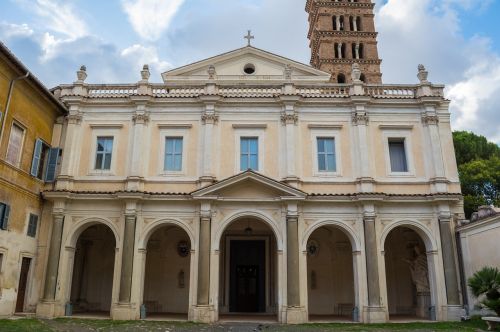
{"points": [[236, 317]]}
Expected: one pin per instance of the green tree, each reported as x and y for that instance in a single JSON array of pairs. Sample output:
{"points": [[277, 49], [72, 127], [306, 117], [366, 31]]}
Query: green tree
{"points": [[479, 169], [469, 147]]}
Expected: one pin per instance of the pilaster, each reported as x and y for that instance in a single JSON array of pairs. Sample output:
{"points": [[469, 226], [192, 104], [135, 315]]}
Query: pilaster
{"points": [[70, 150], [290, 119], [140, 120], [209, 120], [360, 121]]}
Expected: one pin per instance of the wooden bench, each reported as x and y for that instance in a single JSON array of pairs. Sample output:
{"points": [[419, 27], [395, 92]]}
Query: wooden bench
{"points": [[492, 322]]}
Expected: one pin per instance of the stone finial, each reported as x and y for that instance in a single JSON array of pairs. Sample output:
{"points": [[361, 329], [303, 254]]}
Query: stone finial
{"points": [[287, 72], [211, 72], [356, 73], [81, 74], [422, 74], [145, 73]]}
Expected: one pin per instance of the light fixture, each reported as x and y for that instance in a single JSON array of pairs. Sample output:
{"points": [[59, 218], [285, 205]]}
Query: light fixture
{"points": [[248, 230]]}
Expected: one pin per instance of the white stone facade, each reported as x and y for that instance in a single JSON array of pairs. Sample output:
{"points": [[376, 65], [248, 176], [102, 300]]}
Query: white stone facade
{"points": [[285, 203]]}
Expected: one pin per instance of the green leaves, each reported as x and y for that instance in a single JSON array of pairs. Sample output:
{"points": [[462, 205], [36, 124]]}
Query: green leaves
{"points": [[479, 169], [487, 282]]}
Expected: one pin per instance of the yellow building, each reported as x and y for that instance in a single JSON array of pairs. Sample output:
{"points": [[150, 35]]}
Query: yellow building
{"points": [[30, 132]]}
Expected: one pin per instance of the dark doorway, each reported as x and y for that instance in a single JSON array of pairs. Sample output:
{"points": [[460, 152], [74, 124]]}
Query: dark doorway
{"points": [[23, 281], [247, 276]]}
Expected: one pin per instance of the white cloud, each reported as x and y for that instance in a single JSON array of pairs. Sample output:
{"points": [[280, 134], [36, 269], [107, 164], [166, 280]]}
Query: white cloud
{"points": [[150, 18], [10, 30], [429, 32], [141, 55], [61, 17]]}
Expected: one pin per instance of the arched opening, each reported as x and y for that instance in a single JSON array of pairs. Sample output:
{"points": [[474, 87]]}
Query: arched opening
{"points": [[167, 273], [93, 270], [341, 23], [362, 78], [341, 78], [334, 21], [358, 24], [330, 276], [407, 275], [248, 269]]}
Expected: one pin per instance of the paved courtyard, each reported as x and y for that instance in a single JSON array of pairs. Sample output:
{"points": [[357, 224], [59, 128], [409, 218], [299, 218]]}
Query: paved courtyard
{"points": [[83, 325]]}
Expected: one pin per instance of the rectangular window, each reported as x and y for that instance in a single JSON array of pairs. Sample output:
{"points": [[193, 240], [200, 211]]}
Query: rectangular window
{"points": [[249, 153], [32, 225], [173, 154], [40, 159], [397, 153], [104, 153], [52, 162], [4, 216], [326, 154], [15, 145]]}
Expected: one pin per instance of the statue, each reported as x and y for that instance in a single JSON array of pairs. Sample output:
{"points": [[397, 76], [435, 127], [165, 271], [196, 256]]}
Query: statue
{"points": [[145, 73], [419, 271], [422, 74], [356, 73]]}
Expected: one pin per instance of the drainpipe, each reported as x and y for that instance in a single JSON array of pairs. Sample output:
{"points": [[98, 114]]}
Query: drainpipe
{"points": [[7, 105]]}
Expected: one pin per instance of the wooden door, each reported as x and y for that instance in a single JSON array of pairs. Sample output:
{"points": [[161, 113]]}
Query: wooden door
{"points": [[247, 288], [23, 281]]}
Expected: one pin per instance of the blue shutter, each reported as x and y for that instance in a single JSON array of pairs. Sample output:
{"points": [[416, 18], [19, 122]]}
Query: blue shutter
{"points": [[5, 219], [50, 174], [36, 157]]}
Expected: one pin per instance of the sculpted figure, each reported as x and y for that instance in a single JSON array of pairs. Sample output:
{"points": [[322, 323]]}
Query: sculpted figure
{"points": [[419, 271]]}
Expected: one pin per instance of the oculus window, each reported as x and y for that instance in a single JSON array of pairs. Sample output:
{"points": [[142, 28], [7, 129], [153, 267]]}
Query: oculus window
{"points": [[249, 153], [173, 154]]}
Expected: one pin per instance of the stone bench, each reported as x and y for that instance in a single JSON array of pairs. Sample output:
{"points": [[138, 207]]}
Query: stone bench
{"points": [[492, 322]]}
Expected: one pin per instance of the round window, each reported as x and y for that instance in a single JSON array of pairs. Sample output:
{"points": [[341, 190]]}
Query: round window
{"points": [[249, 69]]}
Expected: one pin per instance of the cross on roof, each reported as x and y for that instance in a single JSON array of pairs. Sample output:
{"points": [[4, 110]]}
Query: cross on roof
{"points": [[249, 37]]}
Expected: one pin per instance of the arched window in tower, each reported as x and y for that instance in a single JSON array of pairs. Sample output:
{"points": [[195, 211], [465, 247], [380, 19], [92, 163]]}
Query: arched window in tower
{"points": [[353, 50], [341, 78], [336, 50], [341, 23], [361, 51], [342, 50], [334, 20], [358, 24], [351, 23], [362, 78]]}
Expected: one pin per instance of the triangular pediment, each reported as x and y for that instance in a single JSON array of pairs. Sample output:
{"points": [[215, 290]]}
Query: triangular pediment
{"points": [[249, 185], [231, 67]]}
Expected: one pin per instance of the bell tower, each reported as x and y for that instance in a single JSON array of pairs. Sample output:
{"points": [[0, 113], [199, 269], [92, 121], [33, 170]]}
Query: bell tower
{"points": [[342, 32]]}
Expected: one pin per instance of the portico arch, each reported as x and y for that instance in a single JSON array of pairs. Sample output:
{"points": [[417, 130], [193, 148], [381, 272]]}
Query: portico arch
{"points": [[91, 258], [248, 244], [332, 255], [409, 257]]}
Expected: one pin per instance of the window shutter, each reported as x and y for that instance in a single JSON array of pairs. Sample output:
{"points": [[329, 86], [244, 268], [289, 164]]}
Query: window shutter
{"points": [[5, 220], [50, 174], [35, 164]]}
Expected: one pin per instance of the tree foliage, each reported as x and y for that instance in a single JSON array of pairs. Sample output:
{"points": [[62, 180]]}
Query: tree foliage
{"points": [[479, 168]]}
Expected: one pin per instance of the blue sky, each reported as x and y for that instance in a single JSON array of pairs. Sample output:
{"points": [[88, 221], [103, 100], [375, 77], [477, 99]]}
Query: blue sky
{"points": [[457, 40]]}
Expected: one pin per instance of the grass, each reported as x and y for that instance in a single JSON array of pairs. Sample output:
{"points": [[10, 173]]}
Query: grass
{"points": [[83, 325]]}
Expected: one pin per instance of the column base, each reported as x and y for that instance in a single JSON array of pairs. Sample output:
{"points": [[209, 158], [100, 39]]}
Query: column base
{"points": [[374, 315], [296, 315], [49, 309], [124, 311], [203, 314], [454, 313]]}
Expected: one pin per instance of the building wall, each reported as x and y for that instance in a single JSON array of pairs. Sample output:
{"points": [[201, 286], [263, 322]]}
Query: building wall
{"points": [[477, 240], [21, 191]]}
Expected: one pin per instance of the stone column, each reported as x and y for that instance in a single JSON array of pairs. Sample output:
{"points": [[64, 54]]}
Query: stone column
{"points": [[127, 259], [49, 293], [430, 120], [140, 120], [293, 292], [371, 260], [360, 121], [449, 262], [70, 150], [204, 261], [375, 312], [289, 119]]}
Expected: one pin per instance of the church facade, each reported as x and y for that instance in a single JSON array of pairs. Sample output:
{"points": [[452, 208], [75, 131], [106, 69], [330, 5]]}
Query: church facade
{"points": [[250, 184]]}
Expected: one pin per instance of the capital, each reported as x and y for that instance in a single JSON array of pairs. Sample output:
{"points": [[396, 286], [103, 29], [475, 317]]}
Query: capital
{"points": [[360, 118]]}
